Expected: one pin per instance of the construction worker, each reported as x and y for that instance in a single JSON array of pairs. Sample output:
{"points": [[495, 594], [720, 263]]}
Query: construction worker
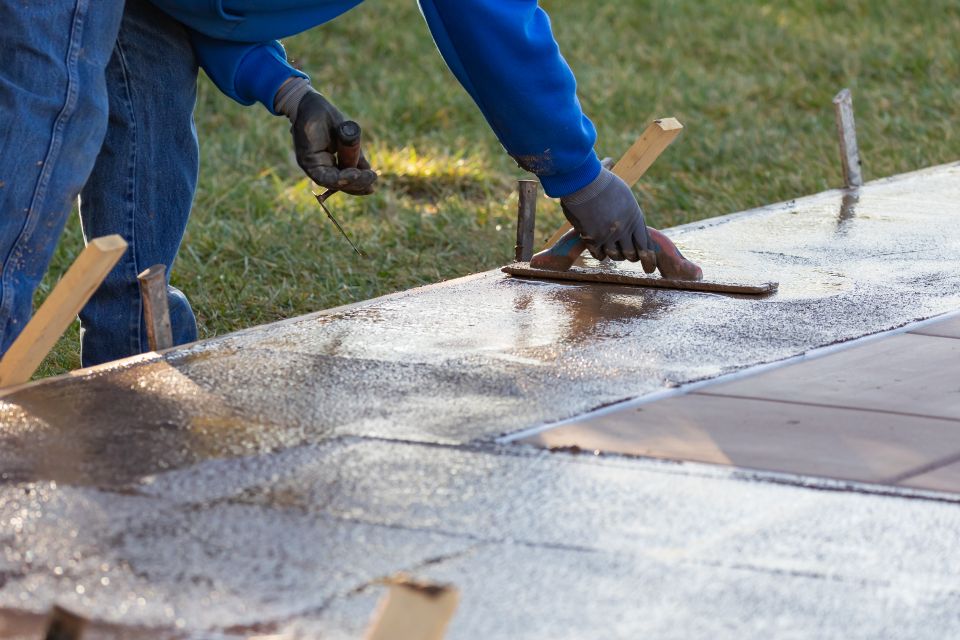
{"points": [[96, 99]]}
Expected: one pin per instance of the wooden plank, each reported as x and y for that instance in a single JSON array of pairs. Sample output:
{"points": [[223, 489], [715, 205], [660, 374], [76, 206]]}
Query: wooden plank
{"points": [[921, 382], [587, 274], [638, 158], [60, 308], [647, 149], [413, 610], [849, 444], [847, 137]]}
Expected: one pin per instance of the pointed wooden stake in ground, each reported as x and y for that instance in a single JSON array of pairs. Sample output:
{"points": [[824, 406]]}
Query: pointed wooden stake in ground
{"points": [[156, 310], [847, 136], [413, 610], [638, 158], [526, 219], [59, 309]]}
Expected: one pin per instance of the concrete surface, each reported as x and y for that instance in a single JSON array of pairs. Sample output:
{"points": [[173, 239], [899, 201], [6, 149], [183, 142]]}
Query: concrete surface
{"points": [[263, 481], [947, 329], [886, 411]]}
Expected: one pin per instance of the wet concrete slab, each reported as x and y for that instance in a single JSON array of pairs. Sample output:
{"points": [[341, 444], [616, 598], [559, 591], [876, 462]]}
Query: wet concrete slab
{"points": [[221, 567], [293, 543], [479, 358], [679, 602], [883, 411], [262, 482]]}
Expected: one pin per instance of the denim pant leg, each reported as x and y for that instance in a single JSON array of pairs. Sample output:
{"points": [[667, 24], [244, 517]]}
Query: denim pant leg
{"points": [[143, 184], [53, 115]]}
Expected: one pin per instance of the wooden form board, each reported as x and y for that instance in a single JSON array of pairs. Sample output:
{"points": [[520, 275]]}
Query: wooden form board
{"points": [[586, 274], [59, 309], [638, 158]]}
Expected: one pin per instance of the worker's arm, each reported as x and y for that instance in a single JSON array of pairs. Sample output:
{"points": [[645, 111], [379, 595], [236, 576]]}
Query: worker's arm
{"points": [[248, 72], [259, 72], [504, 54]]}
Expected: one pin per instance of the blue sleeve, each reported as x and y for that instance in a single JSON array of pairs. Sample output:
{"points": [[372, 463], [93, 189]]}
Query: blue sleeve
{"points": [[247, 72], [505, 56]]}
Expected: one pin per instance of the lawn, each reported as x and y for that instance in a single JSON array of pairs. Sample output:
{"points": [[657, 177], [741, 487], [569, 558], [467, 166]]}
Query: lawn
{"points": [[751, 81]]}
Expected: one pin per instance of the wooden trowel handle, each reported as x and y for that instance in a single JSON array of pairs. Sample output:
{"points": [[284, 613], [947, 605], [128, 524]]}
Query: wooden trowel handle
{"points": [[348, 144]]}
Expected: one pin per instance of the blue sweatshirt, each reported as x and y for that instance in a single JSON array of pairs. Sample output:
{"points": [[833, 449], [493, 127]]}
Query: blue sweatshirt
{"points": [[502, 52]]}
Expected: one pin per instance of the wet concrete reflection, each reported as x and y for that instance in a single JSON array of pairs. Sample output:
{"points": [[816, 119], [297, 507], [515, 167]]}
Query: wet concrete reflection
{"points": [[848, 210]]}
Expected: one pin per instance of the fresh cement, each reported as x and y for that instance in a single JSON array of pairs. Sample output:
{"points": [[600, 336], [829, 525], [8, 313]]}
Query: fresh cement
{"points": [[263, 481]]}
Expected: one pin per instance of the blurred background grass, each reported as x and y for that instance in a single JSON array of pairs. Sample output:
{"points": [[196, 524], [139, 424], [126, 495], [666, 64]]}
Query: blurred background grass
{"points": [[752, 82]]}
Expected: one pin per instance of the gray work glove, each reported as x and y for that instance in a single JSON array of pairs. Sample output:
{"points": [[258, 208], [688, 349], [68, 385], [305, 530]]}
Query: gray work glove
{"points": [[314, 122], [609, 220]]}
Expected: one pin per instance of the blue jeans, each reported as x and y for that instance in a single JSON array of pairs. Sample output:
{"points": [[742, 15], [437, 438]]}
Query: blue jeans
{"points": [[96, 99]]}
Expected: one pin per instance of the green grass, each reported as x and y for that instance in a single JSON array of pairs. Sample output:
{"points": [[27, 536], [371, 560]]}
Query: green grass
{"points": [[751, 81]]}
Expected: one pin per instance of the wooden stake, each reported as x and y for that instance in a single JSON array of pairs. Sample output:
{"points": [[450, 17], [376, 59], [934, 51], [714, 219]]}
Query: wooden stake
{"points": [[64, 625], [156, 309], [847, 137], [59, 309], [638, 158], [526, 219], [413, 610]]}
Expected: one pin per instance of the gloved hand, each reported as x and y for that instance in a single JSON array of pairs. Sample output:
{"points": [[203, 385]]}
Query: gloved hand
{"points": [[314, 121], [609, 220]]}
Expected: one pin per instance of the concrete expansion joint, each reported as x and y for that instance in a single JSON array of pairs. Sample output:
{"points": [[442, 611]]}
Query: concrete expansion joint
{"points": [[849, 580], [691, 468], [420, 567], [480, 540], [816, 483]]}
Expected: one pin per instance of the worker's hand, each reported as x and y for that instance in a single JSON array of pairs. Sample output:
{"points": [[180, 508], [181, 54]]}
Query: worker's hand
{"points": [[314, 122], [609, 220]]}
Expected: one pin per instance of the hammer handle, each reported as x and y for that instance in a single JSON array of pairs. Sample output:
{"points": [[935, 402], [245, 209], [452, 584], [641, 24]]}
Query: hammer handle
{"points": [[348, 144]]}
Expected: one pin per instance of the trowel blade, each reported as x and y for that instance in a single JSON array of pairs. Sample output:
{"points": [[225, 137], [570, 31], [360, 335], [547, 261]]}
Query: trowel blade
{"points": [[589, 274]]}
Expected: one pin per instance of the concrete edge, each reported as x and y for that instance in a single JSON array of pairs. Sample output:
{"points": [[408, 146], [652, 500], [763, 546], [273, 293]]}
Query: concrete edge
{"points": [[212, 342], [745, 372], [675, 466], [206, 343], [792, 203]]}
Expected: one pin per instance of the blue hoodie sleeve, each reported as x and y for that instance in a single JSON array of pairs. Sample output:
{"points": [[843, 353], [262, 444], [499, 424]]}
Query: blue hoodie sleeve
{"points": [[504, 54], [247, 72]]}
